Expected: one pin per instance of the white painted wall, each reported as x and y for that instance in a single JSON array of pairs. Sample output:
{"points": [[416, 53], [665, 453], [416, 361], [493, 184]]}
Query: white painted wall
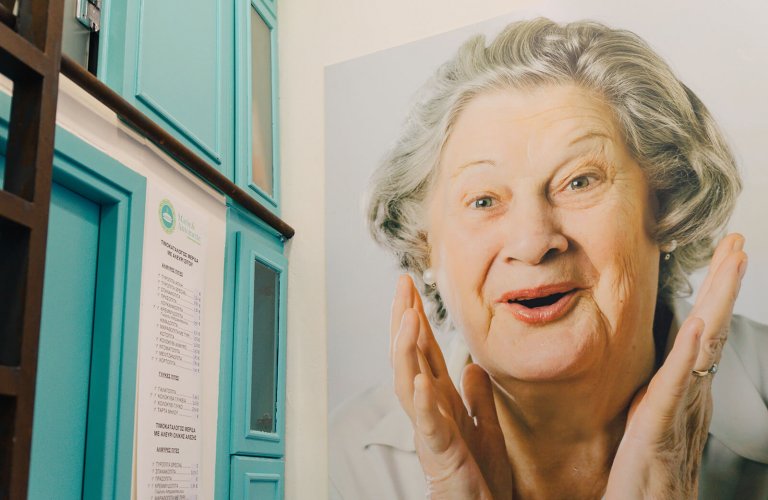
{"points": [[721, 54], [314, 34]]}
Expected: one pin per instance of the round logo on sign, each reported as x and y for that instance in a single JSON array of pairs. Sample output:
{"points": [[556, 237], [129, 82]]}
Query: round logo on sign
{"points": [[167, 216]]}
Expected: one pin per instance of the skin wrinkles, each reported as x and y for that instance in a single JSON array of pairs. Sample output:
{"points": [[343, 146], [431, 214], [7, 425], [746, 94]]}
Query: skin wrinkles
{"points": [[592, 152], [517, 153], [594, 155]]}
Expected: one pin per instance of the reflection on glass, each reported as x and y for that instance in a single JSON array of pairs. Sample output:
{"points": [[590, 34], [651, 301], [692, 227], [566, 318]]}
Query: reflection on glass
{"points": [[75, 36], [261, 107], [264, 360]]}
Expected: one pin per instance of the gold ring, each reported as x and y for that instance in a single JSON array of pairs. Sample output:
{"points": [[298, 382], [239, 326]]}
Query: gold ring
{"points": [[703, 373]]}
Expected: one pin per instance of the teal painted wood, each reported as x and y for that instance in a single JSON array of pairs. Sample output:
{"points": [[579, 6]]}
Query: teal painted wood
{"points": [[250, 247], [257, 479], [243, 101], [174, 61], [271, 5], [64, 356], [120, 194], [178, 70], [115, 23], [248, 239], [222, 482]]}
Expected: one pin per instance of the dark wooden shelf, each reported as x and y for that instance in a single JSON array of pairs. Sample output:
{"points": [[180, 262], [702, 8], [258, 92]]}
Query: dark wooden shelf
{"points": [[17, 54], [9, 380], [16, 209]]}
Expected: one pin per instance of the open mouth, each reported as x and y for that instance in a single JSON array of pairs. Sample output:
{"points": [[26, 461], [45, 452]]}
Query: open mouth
{"points": [[542, 309], [547, 300]]}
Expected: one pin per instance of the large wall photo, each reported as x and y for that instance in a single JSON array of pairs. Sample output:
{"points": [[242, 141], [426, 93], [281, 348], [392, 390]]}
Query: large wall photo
{"points": [[721, 55]]}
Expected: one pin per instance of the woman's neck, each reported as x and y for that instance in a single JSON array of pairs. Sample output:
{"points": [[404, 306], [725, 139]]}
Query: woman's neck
{"points": [[562, 436], [561, 450]]}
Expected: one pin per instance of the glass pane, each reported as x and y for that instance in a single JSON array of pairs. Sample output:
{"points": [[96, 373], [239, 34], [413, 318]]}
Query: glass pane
{"points": [[264, 361], [261, 97], [75, 36]]}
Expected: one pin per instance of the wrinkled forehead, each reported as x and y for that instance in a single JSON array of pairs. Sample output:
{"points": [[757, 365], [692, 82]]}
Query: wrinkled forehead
{"points": [[537, 125]]}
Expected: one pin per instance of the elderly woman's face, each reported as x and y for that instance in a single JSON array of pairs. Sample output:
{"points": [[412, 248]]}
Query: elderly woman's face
{"points": [[539, 232]]}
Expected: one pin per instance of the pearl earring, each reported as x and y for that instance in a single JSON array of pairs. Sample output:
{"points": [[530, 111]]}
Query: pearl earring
{"points": [[669, 249], [429, 277]]}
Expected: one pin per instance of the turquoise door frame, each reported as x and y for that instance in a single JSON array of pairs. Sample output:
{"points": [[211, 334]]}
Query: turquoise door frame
{"points": [[119, 194]]}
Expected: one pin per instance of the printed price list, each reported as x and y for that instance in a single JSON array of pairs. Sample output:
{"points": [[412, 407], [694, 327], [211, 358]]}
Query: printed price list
{"points": [[173, 480], [177, 343]]}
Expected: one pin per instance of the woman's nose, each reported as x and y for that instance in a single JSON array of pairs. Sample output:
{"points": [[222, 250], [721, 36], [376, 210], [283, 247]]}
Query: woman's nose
{"points": [[532, 233]]}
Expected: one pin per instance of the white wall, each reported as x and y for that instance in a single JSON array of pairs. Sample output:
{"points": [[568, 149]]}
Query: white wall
{"points": [[314, 34], [721, 54]]}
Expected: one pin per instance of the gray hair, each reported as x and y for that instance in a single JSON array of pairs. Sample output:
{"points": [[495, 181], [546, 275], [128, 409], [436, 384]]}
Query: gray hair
{"points": [[668, 131]]}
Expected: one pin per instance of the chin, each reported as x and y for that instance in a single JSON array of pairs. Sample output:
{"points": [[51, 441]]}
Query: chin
{"points": [[556, 351]]}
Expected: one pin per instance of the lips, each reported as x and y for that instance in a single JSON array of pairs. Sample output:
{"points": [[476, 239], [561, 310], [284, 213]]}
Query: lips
{"points": [[542, 304]]}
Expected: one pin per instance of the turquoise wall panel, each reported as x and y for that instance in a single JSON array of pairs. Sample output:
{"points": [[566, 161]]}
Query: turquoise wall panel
{"points": [[179, 70], [64, 356], [257, 479], [174, 61]]}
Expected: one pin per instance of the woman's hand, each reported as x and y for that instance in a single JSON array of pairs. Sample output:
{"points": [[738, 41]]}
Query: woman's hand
{"points": [[459, 441], [660, 453]]}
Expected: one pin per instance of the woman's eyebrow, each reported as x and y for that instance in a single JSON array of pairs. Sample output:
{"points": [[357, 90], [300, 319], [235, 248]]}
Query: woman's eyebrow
{"points": [[593, 153], [591, 135], [472, 163]]}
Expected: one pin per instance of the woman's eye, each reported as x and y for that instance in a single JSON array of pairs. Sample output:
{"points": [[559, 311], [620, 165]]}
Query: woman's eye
{"points": [[579, 183], [484, 202]]}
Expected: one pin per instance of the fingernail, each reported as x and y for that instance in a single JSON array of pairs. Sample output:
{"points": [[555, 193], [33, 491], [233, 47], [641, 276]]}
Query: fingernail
{"points": [[743, 268], [738, 244]]}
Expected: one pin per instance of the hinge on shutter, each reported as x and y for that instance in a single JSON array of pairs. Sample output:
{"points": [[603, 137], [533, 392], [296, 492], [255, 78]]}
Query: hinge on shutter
{"points": [[89, 13]]}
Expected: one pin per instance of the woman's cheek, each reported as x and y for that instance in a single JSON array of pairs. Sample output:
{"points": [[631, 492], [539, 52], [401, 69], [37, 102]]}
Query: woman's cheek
{"points": [[466, 258], [605, 235]]}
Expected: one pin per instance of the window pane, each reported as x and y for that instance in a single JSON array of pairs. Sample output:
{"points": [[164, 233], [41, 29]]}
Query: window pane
{"points": [[264, 361], [261, 96], [75, 36]]}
